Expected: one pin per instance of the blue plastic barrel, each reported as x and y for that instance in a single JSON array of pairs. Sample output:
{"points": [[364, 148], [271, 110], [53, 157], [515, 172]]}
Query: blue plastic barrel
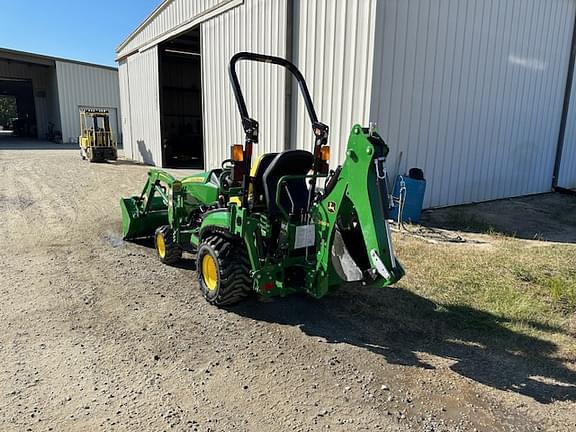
{"points": [[413, 196]]}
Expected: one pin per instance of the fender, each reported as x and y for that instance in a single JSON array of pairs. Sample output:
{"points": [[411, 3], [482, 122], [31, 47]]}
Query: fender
{"points": [[216, 220]]}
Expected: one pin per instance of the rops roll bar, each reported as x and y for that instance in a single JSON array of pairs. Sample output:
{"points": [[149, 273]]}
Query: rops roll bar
{"points": [[251, 126]]}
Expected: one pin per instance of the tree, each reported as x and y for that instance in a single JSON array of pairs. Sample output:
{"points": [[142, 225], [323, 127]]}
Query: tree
{"points": [[8, 109]]}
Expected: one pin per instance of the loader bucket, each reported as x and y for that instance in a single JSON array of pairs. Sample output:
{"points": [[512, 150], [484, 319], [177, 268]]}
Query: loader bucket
{"points": [[135, 223]]}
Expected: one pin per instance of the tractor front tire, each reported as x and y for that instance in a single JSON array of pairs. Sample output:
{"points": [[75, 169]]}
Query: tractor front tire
{"points": [[93, 156], [167, 249], [223, 270]]}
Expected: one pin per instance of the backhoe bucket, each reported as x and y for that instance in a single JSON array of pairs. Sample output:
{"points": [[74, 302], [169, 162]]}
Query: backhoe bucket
{"points": [[135, 223]]}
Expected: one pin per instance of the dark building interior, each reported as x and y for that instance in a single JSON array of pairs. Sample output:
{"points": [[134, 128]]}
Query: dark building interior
{"points": [[24, 121], [181, 101]]}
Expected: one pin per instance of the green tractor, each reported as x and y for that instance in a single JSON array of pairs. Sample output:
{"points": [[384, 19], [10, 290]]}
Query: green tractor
{"points": [[269, 228]]}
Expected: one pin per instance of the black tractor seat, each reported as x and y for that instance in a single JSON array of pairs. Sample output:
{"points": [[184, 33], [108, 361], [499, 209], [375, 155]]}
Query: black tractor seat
{"points": [[261, 165], [294, 194]]}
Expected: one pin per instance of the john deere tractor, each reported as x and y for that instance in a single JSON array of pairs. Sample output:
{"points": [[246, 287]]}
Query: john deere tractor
{"points": [[269, 227]]}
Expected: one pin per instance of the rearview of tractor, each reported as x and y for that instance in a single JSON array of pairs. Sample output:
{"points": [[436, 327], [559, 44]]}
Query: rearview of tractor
{"points": [[96, 141], [281, 224]]}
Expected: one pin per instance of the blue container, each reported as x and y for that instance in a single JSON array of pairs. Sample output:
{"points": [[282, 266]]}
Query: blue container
{"points": [[413, 195]]}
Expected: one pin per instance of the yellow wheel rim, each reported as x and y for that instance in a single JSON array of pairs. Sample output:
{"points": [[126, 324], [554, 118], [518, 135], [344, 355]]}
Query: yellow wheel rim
{"points": [[160, 245], [209, 272]]}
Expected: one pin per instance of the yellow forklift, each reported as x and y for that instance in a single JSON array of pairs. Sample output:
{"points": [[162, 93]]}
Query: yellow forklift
{"points": [[96, 141]]}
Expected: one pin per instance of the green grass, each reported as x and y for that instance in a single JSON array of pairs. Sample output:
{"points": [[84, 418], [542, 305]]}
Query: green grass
{"points": [[528, 290], [562, 293]]}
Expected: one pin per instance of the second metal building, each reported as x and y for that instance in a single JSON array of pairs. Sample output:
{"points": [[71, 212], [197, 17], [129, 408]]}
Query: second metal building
{"points": [[473, 92], [50, 91]]}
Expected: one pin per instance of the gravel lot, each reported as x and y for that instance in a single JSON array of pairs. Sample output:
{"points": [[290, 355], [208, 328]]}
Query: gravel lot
{"points": [[96, 334]]}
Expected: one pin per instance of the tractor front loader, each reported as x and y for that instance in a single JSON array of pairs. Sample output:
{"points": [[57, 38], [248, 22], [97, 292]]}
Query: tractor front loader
{"points": [[267, 227]]}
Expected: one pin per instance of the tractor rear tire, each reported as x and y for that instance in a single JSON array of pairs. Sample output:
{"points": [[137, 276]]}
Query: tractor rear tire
{"points": [[223, 270], [169, 252]]}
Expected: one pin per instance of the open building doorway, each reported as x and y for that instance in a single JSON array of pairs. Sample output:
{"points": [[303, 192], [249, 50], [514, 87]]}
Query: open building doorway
{"points": [[17, 108], [8, 113], [181, 101]]}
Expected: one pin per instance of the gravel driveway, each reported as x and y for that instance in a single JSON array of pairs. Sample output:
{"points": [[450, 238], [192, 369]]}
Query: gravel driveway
{"points": [[96, 334]]}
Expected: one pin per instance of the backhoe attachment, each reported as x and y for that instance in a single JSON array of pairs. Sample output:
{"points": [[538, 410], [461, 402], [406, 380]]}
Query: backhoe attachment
{"points": [[355, 243]]}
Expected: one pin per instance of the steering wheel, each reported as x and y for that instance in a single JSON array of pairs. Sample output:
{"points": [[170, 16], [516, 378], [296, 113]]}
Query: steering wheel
{"points": [[225, 181], [230, 162]]}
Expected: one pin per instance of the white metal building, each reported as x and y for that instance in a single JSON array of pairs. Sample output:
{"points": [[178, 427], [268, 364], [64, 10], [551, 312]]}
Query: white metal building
{"points": [[52, 90], [477, 93]]}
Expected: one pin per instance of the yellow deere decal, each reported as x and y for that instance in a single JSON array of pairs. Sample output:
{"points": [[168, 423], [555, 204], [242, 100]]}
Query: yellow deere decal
{"points": [[331, 207], [193, 180]]}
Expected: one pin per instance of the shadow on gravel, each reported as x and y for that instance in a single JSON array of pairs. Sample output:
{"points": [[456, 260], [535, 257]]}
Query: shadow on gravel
{"points": [[26, 144], [397, 324]]}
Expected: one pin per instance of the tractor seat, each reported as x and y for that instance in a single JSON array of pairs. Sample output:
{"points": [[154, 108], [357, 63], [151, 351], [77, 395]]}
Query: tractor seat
{"points": [[294, 195], [257, 173]]}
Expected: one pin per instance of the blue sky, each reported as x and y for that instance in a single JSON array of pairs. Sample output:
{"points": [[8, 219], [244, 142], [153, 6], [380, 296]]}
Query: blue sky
{"points": [[80, 30]]}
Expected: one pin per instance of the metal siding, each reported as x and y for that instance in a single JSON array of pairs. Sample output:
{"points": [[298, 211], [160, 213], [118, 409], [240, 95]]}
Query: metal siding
{"points": [[84, 86], [125, 113], [174, 14], [259, 26], [567, 175], [142, 105], [333, 48], [42, 81], [471, 92]]}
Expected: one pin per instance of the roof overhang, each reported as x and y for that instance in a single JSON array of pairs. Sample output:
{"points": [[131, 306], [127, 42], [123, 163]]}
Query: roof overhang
{"points": [[42, 60], [217, 9], [144, 23], [23, 57]]}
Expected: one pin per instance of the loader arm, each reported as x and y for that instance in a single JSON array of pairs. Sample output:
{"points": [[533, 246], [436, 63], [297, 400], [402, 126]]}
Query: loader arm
{"points": [[156, 179], [158, 204]]}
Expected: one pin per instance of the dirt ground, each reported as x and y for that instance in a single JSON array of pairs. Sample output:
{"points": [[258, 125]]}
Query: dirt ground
{"points": [[546, 217], [96, 334]]}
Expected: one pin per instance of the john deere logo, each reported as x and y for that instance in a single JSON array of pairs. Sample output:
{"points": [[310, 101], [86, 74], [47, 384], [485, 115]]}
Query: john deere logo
{"points": [[331, 206]]}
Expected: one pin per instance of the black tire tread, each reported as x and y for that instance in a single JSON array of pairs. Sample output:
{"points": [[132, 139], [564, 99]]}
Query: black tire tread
{"points": [[234, 266], [173, 250], [93, 156]]}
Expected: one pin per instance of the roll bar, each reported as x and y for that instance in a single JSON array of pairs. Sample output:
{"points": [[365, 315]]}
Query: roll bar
{"points": [[262, 58], [251, 126]]}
